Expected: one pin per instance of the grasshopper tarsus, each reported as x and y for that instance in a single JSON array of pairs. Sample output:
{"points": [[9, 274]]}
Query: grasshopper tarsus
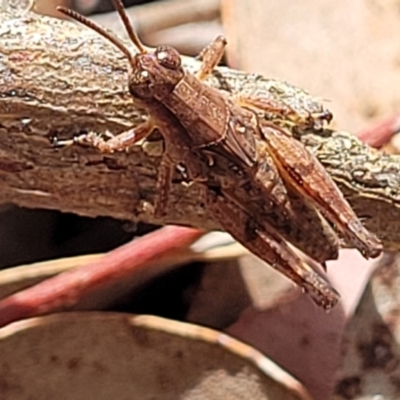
{"points": [[78, 139]]}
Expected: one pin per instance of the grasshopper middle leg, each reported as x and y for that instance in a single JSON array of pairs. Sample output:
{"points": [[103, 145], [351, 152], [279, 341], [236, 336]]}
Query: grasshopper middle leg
{"points": [[211, 57]]}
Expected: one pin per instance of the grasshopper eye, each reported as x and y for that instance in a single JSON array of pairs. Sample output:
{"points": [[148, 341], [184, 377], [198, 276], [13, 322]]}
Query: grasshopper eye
{"points": [[168, 57]]}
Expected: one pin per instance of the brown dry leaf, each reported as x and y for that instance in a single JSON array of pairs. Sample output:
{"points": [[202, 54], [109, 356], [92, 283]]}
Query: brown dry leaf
{"points": [[292, 331], [100, 281], [116, 356], [227, 288], [345, 51], [370, 367], [47, 7]]}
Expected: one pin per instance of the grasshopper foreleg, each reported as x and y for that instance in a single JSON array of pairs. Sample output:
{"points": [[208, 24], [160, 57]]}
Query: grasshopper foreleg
{"points": [[118, 142]]}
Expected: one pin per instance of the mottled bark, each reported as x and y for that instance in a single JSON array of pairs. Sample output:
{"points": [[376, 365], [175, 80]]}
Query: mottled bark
{"points": [[58, 79]]}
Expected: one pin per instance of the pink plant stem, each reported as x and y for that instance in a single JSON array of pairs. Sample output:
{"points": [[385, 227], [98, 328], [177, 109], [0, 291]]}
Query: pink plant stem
{"points": [[380, 133], [66, 289]]}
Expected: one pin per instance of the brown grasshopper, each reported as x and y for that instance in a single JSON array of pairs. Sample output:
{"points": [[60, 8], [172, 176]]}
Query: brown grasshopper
{"points": [[218, 138]]}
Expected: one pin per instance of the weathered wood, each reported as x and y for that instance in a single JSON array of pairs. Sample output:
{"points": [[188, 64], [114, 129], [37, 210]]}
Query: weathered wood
{"points": [[59, 79]]}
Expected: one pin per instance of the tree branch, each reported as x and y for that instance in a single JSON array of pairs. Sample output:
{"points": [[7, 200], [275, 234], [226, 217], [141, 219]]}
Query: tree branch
{"points": [[60, 79]]}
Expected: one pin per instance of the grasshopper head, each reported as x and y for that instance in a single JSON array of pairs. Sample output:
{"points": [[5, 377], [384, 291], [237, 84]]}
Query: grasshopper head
{"points": [[154, 75]]}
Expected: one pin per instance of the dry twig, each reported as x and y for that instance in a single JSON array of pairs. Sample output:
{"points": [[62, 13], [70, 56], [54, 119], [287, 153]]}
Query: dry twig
{"points": [[60, 79]]}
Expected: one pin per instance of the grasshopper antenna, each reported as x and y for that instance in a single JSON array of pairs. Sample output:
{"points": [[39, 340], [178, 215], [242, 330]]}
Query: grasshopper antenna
{"points": [[101, 31], [119, 6]]}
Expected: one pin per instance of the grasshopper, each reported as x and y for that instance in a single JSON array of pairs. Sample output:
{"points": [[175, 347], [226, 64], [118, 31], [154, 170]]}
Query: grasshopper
{"points": [[247, 166]]}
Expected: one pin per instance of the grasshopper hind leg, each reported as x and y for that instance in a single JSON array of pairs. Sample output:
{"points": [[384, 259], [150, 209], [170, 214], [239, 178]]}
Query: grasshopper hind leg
{"points": [[303, 171], [264, 242]]}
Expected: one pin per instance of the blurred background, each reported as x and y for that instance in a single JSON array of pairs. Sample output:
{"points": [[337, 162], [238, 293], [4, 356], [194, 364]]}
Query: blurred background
{"points": [[345, 53]]}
